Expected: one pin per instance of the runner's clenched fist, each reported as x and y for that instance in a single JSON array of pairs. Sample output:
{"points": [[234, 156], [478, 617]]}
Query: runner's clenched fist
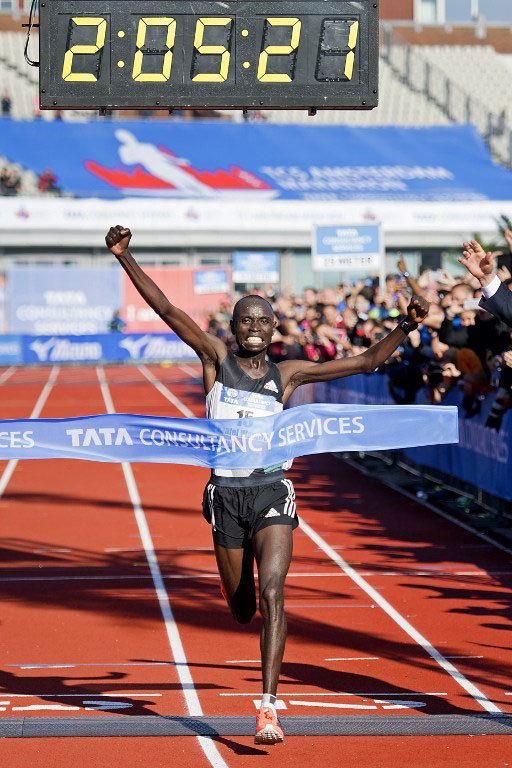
{"points": [[118, 239]]}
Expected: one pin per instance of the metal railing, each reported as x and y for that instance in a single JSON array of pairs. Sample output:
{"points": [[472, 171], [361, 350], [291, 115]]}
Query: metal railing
{"points": [[459, 106]]}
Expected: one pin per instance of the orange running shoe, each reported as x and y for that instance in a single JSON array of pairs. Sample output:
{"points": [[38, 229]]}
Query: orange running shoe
{"points": [[268, 728]]}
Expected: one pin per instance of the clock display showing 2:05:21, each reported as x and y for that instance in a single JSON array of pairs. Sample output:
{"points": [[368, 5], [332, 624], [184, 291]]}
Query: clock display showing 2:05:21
{"points": [[211, 42], [145, 53]]}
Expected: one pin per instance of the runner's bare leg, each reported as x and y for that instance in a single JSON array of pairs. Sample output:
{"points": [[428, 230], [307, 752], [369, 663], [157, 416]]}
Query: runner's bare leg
{"points": [[236, 569], [273, 547]]}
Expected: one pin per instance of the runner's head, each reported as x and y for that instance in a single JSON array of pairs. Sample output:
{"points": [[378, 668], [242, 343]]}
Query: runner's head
{"points": [[253, 324]]}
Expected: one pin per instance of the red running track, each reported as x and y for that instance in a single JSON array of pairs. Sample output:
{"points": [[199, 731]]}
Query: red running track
{"points": [[381, 596]]}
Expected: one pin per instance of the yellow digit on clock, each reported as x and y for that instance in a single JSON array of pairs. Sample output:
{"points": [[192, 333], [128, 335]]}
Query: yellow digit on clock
{"points": [[154, 77], [222, 75], [101, 32], [278, 50], [351, 57]]}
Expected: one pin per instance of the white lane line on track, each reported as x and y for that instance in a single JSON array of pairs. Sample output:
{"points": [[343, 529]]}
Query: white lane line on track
{"points": [[189, 692], [354, 658], [165, 392], [195, 373], [36, 411], [374, 693], [7, 374], [168, 549], [386, 704], [98, 664], [402, 622], [483, 701], [290, 604], [84, 695]]}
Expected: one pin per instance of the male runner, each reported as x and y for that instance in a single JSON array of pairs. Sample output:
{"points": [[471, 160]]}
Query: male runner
{"points": [[252, 512]]}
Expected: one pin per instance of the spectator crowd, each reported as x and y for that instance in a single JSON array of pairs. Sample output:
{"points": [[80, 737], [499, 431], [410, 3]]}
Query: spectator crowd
{"points": [[13, 181], [457, 345]]}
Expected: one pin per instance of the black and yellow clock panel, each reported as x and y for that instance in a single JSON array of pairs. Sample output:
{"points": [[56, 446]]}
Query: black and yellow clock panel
{"points": [[236, 54]]}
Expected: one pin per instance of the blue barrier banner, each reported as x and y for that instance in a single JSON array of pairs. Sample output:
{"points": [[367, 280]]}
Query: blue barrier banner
{"points": [[228, 443], [108, 348], [10, 350], [483, 456], [105, 158], [62, 300]]}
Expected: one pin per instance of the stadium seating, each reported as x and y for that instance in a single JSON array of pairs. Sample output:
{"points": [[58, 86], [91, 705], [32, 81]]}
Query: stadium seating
{"points": [[485, 75], [475, 70], [398, 106], [21, 81]]}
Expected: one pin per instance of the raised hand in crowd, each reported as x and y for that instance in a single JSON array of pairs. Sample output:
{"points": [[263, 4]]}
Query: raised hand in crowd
{"points": [[478, 262], [508, 237], [402, 302], [504, 273], [409, 279]]}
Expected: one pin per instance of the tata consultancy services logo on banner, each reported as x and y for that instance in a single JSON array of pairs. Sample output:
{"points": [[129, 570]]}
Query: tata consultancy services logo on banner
{"points": [[347, 248]]}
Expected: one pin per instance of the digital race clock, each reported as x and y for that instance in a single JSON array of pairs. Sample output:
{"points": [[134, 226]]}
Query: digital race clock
{"points": [[280, 54]]}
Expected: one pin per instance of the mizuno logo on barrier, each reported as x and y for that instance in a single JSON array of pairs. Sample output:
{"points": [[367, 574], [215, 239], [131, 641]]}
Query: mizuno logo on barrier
{"points": [[152, 348], [57, 350], [230, 444]]}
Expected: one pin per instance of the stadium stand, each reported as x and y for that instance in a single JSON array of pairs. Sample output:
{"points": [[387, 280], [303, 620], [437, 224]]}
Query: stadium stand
{"points": [[472, 82], [21, 82], [433, 84], [402, 106]]}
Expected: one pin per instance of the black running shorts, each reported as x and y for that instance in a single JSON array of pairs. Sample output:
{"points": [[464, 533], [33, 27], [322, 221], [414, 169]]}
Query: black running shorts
{"points": [[236, 514]]}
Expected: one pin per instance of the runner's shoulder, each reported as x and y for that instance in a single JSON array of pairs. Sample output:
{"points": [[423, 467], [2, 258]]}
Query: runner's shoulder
{"points": [[291, 370], [216, 352]]}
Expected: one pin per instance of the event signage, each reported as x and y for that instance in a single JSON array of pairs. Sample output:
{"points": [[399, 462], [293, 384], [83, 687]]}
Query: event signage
{"points": [[255, 267], [211, 281], [229, 443], [347, 248], [107, 348], [253, 163], [62, 300]]}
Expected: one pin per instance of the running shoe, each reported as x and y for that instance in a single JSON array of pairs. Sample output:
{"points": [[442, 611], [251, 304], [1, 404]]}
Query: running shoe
{"points": [[268, 729]]}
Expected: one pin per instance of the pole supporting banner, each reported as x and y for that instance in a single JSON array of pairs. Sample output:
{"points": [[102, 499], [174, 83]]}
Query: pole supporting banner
{"points": [[229, 443]]}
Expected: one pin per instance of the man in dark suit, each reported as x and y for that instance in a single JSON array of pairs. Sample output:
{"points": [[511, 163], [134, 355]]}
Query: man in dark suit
{"points": [[496, 297]]}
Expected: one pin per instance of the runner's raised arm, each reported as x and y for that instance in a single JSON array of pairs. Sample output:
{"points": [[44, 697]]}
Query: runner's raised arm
{"points": [[297, 372], [210, 349]]}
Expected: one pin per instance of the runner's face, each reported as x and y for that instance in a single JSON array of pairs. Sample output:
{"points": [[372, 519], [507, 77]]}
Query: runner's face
{"points": [[253, 327]]}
